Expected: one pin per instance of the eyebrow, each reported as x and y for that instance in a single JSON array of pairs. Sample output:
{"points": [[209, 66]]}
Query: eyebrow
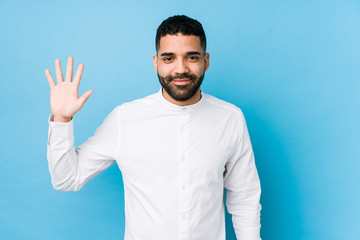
{"points": [[172, 54], [193, 53], [167, 54]]}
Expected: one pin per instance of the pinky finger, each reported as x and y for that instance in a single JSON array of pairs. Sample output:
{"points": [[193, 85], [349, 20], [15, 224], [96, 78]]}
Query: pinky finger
{"points": [[50, 79]]}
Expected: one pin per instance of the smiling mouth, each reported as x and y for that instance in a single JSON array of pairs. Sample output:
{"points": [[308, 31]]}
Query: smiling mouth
{"points": [[181, 81]]}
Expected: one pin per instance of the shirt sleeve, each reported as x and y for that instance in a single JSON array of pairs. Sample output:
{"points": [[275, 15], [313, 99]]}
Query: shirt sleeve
{"points": [[243, 189], [72, 167]]}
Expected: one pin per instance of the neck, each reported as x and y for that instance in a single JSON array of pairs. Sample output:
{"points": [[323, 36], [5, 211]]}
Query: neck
{"points": [[194, 99]]}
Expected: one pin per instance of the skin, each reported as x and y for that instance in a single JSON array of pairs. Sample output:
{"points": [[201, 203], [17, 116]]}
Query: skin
{"points": [[64, 98], [178, 54]]}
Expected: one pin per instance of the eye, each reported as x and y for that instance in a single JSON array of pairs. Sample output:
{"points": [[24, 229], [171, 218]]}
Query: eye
{"points": [[167, 59], [193, 58]]}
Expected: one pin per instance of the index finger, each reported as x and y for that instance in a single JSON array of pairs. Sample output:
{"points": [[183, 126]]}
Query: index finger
{"points": [[78, 74]]}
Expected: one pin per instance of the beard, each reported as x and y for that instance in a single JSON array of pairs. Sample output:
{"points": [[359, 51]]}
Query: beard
{"points": [[181, 92]]}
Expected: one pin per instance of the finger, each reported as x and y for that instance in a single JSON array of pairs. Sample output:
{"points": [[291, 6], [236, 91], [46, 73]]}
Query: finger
{"points": [[78, 74], [85, 97], [59, 76], [69, 69], [50, 79]]}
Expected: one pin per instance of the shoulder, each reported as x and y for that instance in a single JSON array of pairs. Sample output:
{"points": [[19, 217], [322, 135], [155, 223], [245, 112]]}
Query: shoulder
{"points": [[137, 103], [136, 109], [223, 106]]}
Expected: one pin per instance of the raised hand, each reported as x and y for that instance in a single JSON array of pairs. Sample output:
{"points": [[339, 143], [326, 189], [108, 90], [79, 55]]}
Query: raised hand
{"points": [[64, 97]]}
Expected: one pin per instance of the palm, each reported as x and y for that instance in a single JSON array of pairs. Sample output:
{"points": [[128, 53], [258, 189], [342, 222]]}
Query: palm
{"points": [[64, 98]]}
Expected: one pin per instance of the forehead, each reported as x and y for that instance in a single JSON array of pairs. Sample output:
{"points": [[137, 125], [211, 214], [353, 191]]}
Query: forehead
{"points": [[179, 44]]}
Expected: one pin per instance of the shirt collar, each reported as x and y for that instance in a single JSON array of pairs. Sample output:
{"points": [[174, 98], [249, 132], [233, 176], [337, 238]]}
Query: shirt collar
{"points": [[174, 107]]}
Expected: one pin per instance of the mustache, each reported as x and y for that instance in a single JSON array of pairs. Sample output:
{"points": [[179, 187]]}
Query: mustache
{"points": [[180, 76]]}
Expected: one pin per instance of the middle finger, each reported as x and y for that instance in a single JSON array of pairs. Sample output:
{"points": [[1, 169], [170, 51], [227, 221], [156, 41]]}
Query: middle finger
{"points": [[69, 69]]}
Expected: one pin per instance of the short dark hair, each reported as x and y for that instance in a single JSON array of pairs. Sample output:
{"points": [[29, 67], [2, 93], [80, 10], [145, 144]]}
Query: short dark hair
{"points": [[180, 24]]}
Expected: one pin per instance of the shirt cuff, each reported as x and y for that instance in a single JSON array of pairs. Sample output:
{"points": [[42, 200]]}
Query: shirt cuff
{"points": [[60, 129]]}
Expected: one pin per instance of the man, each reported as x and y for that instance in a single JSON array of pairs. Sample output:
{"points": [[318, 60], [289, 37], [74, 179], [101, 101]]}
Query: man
{"points": [[177, 149]]}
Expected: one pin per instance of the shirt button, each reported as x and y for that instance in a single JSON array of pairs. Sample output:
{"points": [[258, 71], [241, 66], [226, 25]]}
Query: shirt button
{"points": [[184, 186], [184, 216]]}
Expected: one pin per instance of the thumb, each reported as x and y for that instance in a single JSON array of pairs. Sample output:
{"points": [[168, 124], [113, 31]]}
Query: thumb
{"points": [[85, 97]]}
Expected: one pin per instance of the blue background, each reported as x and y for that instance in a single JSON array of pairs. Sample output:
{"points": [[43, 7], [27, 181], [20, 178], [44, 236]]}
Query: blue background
{"points": [[293, 67]]}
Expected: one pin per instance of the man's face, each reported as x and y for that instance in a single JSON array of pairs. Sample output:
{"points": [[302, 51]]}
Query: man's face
{"points": [[180, 65]]}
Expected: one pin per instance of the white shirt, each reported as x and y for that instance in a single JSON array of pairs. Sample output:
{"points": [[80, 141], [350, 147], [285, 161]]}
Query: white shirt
{"points": [[175, 162]]}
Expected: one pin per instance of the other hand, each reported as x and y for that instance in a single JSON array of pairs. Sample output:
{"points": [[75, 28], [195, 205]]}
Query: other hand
{"points": [[64, 98]]}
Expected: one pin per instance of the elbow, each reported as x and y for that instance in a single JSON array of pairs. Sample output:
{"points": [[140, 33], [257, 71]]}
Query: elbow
{"points": [[65, 187], [65, 182]]}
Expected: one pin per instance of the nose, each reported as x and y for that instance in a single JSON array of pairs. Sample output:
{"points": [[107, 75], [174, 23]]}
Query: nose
{"points": [[181, 67]]}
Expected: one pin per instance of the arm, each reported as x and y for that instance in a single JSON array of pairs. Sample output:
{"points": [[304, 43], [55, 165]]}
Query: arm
{"points": [[243, 189], [72, 167]]}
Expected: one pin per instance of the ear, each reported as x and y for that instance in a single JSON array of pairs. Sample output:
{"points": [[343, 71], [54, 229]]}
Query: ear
{"points": [[206, 59], [155, 62]]}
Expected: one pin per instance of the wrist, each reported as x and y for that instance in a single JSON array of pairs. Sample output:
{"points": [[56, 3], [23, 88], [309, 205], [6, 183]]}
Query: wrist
{"points": [[61, 119]]}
